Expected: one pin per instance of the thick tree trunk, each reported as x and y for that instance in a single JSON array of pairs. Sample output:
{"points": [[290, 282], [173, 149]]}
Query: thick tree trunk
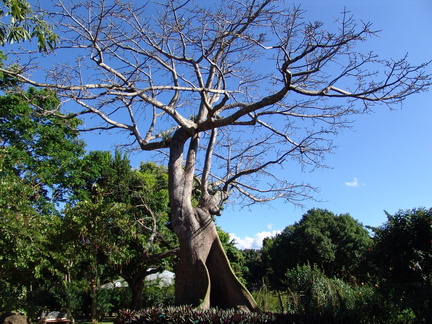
{"points": [[136, 282], [137, 294], [204, 277]]}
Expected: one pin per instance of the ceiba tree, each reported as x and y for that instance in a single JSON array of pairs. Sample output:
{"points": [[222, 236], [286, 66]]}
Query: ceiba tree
{"points": [[228, 92]]}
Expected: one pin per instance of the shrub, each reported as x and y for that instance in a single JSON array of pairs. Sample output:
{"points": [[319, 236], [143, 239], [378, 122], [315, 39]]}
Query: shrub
{"points": [[155, 295], [314, 296], [188, 314], [312, 293]]}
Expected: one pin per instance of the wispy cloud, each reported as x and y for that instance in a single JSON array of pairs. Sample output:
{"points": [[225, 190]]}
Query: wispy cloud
{"points": [[354, 184], [252, 242]]}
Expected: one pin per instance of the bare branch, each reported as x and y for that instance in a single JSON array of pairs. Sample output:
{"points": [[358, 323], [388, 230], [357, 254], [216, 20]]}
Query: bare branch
{"points": [[171, 73]]}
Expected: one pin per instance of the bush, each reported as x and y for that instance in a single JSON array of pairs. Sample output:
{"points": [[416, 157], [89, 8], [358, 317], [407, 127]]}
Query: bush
{"points": [[403, 260], [157, 295], [314, 298], [312, 293], [188, 314]]}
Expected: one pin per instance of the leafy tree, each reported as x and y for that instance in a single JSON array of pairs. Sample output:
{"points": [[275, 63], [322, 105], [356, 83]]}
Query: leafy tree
{"points": [[39, 148], [18, 22], [25, 246], [255, 271], [119, 219], [403, 256], [37, 157], [335, 243], [189, 81]]}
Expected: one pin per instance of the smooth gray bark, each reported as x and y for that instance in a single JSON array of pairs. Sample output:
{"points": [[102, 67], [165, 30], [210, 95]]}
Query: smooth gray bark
{"points": [[204, 277]]}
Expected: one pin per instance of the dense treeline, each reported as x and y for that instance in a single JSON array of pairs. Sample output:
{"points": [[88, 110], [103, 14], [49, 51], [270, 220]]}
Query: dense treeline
{"points": [[333, 267]]}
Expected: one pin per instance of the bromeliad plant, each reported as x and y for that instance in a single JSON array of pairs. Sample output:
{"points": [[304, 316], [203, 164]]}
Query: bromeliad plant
{"points": [[188, 314]]}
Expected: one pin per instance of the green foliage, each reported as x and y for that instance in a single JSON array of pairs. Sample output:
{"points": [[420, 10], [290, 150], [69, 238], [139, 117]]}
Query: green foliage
{"points": [[38, 146], [403, 260], [38, 152], [70, 296], [111, 300], [117, 218], [314, 294], [254, 270], [404, 246], [120, 210], [103, 302], [114, 223], [315, 298], [155, 295], [335, 243], [20, 23]]}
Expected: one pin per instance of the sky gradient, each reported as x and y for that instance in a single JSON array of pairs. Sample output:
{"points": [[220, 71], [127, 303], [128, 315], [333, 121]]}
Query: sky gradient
{"points": [[383, 163]]}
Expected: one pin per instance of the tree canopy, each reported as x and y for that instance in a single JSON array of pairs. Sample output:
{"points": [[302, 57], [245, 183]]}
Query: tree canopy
{"points": [[38, 154], [403, 258], [335, 243], [120, 214], [38, 147], [18, 22]]}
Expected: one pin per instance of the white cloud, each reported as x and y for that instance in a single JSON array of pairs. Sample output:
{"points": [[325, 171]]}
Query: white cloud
{"points": [[354, 183], [252, 242]]}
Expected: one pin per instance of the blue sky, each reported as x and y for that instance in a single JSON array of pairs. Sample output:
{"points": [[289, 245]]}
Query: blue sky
{"points": [[384, 162]]}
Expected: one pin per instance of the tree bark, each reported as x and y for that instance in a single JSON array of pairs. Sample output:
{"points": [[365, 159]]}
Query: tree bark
{"points": [[204, 277], [93, 310], [136, 282], [137, 294]]}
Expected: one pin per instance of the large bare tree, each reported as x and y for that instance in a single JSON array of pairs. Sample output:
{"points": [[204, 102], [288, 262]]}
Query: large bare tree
{"points": [[229, 92]]}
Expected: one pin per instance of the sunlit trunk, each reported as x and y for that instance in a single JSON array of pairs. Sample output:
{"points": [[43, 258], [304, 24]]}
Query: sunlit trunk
{"points": [[204, 277]]}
